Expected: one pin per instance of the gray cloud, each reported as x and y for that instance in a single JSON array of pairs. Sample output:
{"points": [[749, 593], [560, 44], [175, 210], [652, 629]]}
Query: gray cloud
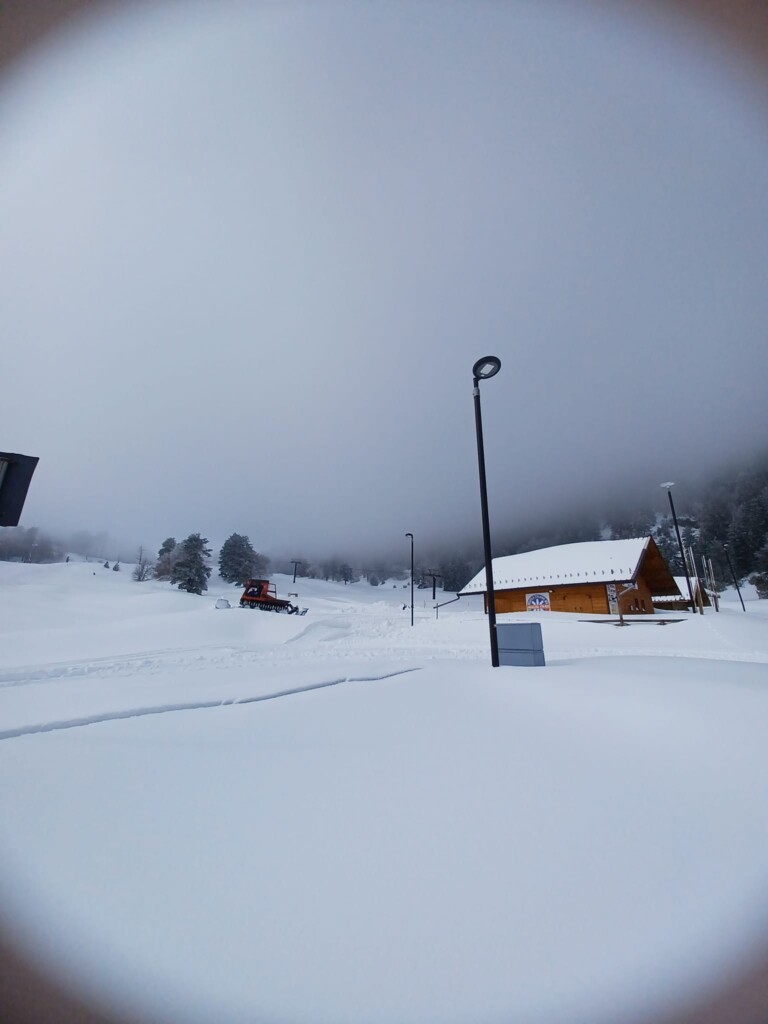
{"points": [[251, 254]]}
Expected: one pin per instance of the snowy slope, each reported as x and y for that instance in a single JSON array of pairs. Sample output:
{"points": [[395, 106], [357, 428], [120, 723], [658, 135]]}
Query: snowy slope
{"points": [[229, 815]]}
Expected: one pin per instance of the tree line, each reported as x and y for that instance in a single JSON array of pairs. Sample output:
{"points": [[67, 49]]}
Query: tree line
{"points": [[34, 544], [724, 522], [18, 544], [186, 564]]}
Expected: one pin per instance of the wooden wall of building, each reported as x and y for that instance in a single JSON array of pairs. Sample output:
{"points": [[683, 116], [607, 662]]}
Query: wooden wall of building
{"points": [[586, 598], [637, 602]]}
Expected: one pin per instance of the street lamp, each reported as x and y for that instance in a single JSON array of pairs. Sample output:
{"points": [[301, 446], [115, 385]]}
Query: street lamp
{"points": [[733, 575], [484, 368], [296, 562], [668, 487], [434, 576], [411, 536]]}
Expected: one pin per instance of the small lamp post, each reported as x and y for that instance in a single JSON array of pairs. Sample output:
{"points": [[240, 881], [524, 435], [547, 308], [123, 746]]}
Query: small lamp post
{"points": [[733, 576], [484, 368], [296, 562], [411, 536], [668, 488]]}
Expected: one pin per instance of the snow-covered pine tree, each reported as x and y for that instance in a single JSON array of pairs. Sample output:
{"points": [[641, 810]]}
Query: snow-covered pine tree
{"points": [[666, 540], [163, 564], [239, 562], [191, 572], [747, 532]]}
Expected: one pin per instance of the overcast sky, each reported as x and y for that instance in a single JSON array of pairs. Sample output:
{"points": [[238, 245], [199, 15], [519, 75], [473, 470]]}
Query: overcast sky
{"points": [[251, 252]]}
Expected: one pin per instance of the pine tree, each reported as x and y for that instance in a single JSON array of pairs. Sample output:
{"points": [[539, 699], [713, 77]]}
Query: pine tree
{"points": [[760, 579], [746, 532], [239, 562], [666, 540], [455, 572], [191, 572], [163, 564], [636, 524]]}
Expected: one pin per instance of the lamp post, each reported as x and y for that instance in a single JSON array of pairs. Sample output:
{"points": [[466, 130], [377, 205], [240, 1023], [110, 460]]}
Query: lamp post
{"points": [[296, 562], [434, 576], [484, 368], [411, 536], [668, 488], [733, 575]]}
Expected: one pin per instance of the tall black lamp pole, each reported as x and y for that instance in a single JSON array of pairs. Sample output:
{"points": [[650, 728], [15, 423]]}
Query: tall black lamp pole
{"points": [[733, 576], [484, 368], [411, 536], [296, 563], [668, 487]]}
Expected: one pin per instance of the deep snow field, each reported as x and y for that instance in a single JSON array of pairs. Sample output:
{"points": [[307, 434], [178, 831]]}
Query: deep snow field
{"points": [[214, 815]]}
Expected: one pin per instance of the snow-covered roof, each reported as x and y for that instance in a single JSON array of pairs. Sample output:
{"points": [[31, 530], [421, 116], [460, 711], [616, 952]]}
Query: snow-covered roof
{"points": [[594, 561], [683, 597]]}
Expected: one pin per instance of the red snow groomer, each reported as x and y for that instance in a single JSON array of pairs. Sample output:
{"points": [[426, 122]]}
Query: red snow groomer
{"points": [[262, 594]]}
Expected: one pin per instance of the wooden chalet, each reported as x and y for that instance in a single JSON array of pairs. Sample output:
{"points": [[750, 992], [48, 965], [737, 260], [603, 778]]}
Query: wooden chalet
{"points": [[587, 578]]}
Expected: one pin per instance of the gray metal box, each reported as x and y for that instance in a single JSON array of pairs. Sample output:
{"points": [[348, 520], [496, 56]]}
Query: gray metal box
{"points": [[529, 658], [519, 636], [520, 643]]}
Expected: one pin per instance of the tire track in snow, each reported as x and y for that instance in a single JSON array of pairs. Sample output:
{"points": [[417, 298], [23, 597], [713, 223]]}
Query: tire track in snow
{"points": [[164, 709]]}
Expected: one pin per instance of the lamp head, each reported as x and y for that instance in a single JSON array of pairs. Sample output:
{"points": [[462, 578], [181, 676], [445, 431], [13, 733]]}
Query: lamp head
{"points": [[670, 483], [486, 367]]}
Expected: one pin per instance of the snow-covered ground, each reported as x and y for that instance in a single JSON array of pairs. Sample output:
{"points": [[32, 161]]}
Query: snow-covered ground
{"points": [[225, 815]]}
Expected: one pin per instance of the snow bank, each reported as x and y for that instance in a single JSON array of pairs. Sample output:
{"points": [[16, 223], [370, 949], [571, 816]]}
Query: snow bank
{"points": [[230, 815]]}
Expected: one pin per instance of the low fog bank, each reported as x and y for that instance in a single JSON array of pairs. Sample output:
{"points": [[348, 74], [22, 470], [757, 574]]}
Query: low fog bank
{"points": [[707, 501]]}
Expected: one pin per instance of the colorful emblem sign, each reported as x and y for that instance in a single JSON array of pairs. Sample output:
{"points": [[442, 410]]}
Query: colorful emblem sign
{"points": [[537, 602]]}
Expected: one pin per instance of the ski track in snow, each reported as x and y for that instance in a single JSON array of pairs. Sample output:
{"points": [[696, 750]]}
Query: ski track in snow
{"points": [[164, 709]]}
